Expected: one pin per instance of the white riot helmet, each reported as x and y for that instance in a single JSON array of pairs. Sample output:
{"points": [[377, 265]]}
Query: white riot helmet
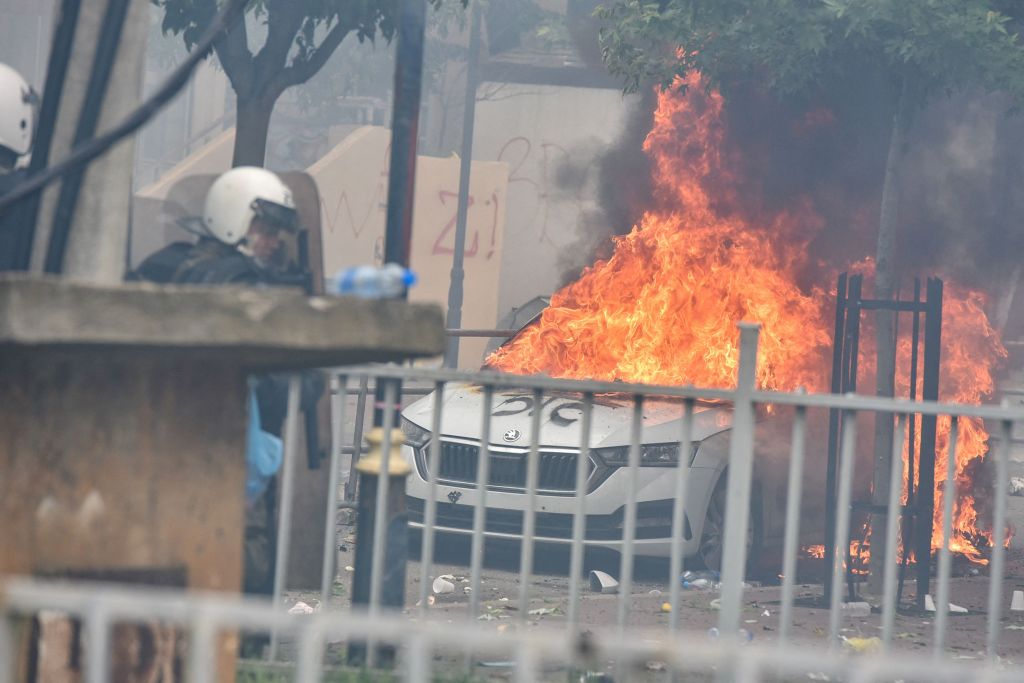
{"points": [[242, 194], [17, 116]]}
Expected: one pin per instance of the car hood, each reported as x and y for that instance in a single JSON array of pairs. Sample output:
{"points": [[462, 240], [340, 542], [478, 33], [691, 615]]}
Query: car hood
{"points": [[561, 418]]}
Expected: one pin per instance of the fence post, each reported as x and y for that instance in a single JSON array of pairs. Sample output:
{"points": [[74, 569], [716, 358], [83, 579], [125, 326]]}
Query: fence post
{"points": [[395, 537], [741, 458]]}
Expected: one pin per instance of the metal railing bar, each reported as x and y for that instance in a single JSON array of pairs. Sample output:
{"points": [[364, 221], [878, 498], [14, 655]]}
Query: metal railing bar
{"points": [[97, 633], [791, 542], [418, 665], [863, 403], [741, 457], [841, 401], [892, 519], [682, 492], [629, 518], [8, 650], [945, 552], [530, 513], [847, 455], [480, 509], [201, 662], [746, 672], [309, 664], [339, 388], [579, 519], [996, 564], [526, 665], [430, 504], [502, 380], [231, 611], [357, 439], [381, 503], [284, 515]]}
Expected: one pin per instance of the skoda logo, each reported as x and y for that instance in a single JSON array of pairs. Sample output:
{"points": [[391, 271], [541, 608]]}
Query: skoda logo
{"points": [[512, 435], [454, 497]]}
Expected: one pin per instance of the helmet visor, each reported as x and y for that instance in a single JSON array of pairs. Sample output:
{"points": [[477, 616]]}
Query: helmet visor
{"points": [[276, 215]]}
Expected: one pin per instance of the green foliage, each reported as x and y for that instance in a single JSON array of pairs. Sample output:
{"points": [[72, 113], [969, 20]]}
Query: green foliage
{"points": [[791, 46], [300, 35]]}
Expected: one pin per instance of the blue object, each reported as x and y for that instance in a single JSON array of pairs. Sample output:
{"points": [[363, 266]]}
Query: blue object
{"points": [[700, 580], [370, 282], [263, 454]]}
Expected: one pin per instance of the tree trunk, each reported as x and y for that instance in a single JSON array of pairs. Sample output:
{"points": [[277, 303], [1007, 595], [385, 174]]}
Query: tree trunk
{"points": [[885, 326], [251, 128]]}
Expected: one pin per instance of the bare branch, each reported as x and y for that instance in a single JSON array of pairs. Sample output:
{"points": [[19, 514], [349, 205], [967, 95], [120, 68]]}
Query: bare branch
{"points": [[233, 52], [284, 19], [301, 71]]}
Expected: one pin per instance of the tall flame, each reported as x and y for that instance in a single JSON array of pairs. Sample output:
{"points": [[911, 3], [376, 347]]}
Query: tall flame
{"points": [[662, 308]]}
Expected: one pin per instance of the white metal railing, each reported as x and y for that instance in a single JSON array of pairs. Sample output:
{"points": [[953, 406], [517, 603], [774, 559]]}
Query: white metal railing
{"points": [[743, 399], [426, 649], [418, 639]]}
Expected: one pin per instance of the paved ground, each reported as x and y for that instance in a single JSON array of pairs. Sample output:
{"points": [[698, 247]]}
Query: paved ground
{"points": [[549, 590]]}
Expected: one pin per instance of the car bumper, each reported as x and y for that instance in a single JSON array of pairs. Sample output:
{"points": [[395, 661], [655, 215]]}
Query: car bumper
{"points": [[605, 511]]}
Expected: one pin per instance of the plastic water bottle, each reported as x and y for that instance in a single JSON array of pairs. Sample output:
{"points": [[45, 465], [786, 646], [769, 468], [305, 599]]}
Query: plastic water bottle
{"points": [[370, 282], [699, 580]]}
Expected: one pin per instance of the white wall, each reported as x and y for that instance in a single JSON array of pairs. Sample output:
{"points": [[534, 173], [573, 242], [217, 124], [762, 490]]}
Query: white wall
{"points": [[538, 129]]}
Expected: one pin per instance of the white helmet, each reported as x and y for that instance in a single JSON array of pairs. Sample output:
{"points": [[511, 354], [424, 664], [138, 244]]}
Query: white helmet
{"points": [[244, 193], [17, 115]]}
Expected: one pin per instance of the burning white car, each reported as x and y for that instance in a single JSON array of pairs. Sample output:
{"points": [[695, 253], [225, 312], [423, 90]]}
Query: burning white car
{"points": [[558, 450], [608, 476]]}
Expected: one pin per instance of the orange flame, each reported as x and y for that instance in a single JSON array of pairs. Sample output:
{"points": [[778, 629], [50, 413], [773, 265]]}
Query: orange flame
{"points": [[663, 308]]}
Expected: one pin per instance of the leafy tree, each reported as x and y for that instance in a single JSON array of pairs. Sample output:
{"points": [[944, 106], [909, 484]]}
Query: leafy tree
{"points": [[300, 36], [794, 47]]}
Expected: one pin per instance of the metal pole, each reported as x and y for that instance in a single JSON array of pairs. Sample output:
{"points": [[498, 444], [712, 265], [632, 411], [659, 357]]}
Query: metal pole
{"points": [[925, 511], [404, 130], [945, 551], [791, 542], [455, 290], [53, 91], [892, 518], [831, 467], [284, 513], [996, 566], [357, 439], [88, 120], [405, 119], [906, 532], [339, 397], [741, 461]]}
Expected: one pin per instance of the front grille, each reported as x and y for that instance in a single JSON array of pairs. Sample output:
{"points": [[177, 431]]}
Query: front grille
{"points": [[460, 463]]}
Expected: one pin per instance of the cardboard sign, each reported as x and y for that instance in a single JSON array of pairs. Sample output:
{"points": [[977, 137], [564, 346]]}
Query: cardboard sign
{"points": [[352, 179]]}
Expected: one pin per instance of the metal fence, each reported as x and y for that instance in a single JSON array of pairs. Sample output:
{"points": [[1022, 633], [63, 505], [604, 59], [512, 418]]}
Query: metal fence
{"points": [[429, 651], [419, 640]]}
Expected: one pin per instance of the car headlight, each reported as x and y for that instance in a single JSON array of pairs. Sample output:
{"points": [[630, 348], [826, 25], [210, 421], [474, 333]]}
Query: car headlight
{"points": [[415, 436], [651, 455]]}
